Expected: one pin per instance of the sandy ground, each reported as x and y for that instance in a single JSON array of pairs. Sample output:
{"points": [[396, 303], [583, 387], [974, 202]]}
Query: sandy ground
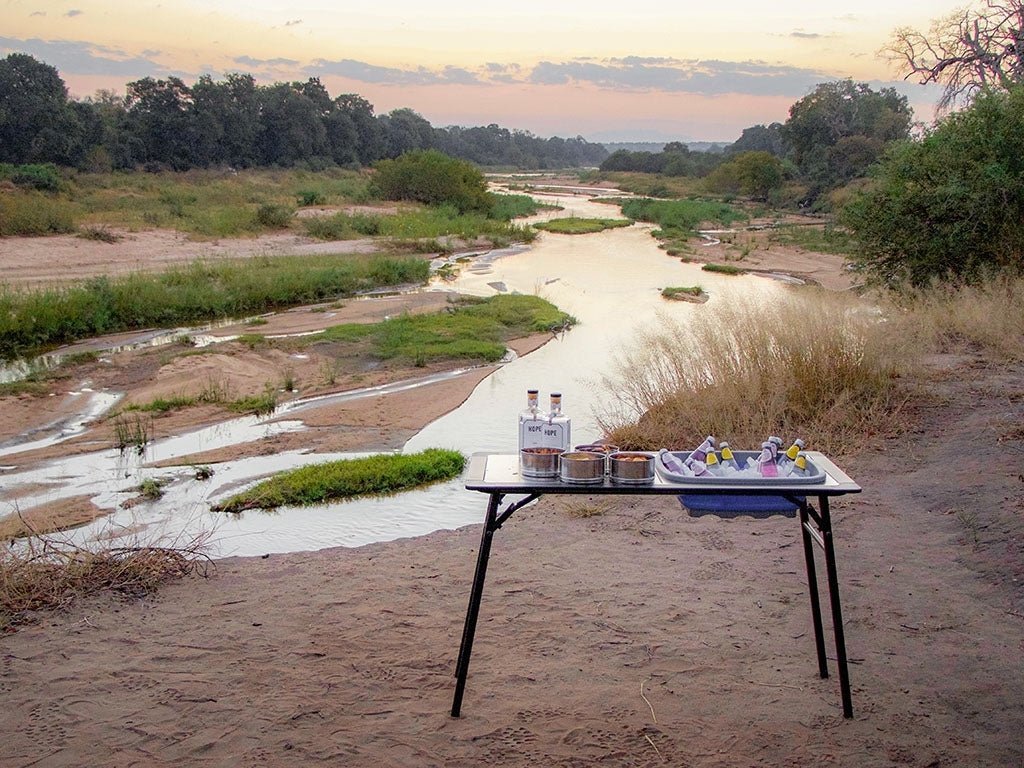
{"points": [[620, 633]]}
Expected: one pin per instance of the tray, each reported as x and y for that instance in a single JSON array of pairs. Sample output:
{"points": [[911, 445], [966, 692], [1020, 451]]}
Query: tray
{"points": [[815, 474]]}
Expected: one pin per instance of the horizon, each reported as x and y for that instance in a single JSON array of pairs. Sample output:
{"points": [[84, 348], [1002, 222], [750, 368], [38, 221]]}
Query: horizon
{"points": [[590, 69]]}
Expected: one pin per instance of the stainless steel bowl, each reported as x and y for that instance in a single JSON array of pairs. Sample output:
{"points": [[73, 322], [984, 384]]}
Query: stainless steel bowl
{"points": [[539, 462], [631, 467], [581, 467]]}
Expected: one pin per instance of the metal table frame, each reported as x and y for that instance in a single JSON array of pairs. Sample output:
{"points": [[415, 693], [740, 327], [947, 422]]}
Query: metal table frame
{"points": [[815, 525]]}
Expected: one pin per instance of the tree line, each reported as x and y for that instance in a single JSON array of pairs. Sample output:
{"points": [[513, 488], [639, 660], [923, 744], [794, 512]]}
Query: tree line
{"points": [[833, 135], [165, 123]]}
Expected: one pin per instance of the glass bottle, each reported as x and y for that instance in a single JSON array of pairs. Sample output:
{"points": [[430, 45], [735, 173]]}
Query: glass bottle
{"points": [[712, 464], [557, 428], [787, 459], [531, 423], [700, 453], [728, 460], [766, 461]]}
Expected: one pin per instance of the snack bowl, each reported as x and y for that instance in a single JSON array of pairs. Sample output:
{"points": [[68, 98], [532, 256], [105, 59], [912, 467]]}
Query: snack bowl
{"points": [[581, 467], [539, 462], [631, 467]]}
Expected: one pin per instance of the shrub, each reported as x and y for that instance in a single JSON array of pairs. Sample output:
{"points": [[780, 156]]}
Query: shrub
{"points": [[310, 197], [44, 177], [273, 216], [950, 205], [433, 178]]}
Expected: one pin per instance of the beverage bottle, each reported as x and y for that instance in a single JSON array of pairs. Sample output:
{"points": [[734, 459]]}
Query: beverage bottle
{"points": [[698, 468], [786, 460], [673, 464], [728, 460], [766, 461], [713, 466], [557, 426], [800, 465], [531, 424], [700, 453]]}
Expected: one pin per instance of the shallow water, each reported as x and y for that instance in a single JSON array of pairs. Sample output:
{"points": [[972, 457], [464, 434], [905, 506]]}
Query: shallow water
{"points": [[610, 281]]}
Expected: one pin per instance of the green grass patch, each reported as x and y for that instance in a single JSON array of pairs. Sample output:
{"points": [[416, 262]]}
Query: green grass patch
{"points": [[723, 269], [576, 226], [256, 405], [416, 226], [823, 239], [472, 329], [677, 217], [347, 479], [33, 319], [30, 214], [683, 293], [209, 203], [508, 207]]}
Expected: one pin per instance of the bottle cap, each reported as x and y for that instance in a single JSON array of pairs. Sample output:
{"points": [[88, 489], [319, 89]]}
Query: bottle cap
{"points": [[711, 459]]}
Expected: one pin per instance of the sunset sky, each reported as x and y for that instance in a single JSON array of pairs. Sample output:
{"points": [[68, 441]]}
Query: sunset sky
{"points": [[666, 71]]}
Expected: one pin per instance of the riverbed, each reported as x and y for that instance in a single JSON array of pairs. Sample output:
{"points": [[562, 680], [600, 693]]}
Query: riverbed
{"points": [[610, 281]]}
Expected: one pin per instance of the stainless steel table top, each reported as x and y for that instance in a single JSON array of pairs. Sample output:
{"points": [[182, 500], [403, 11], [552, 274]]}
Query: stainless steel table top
{"points": [[499, 473]]}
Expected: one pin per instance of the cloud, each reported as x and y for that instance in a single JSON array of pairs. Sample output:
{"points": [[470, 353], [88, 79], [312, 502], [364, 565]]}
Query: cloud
{"points": [[371, 73], [705, 77], [74, 12], [82, 58], [801, 35], [37, 13], [293, 22], [249, 61]]}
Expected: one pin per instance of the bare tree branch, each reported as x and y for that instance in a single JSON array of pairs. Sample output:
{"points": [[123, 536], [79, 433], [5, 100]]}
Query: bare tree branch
{"points": [[968, 50]]}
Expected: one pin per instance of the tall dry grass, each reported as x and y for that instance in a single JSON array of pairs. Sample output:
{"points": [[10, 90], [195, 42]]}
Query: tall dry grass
{"points": [[986, 317], [824, 366]]}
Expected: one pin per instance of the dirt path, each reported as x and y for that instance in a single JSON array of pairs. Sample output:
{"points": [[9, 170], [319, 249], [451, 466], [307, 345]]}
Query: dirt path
{"points": [[617, 633]]}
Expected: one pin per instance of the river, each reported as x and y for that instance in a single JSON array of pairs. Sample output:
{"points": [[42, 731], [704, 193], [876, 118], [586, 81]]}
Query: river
{"points": [[610, 281]]}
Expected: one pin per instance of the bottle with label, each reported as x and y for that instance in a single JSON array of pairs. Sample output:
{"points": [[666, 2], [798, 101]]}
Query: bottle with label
{"points": [[766, 461], [787, 459], [728, 461], [531, 429], [557, 427], [800, 465], [700, 453], [672, 464], [712, 465]]}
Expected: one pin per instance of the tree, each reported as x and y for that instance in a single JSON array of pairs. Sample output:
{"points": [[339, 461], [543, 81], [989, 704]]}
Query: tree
{"points": [[966, 51], [834, 111], [433, 178], [36, 123], [291, 126], [755, 174], [160, 116], [760, 138], [950, 205]]}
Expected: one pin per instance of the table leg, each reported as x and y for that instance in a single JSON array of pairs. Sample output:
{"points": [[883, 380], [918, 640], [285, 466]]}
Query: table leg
{"points": [[837, 610], [469, 630], [812, 586]]}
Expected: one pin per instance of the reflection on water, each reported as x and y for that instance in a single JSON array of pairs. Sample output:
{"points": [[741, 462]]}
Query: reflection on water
{"points": [[610, 281]]}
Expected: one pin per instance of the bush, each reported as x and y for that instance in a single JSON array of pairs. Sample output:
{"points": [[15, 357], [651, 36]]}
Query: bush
{"points": [[45, 177], [273, 216], [950, 205], [755, 174], [433, 178]]}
